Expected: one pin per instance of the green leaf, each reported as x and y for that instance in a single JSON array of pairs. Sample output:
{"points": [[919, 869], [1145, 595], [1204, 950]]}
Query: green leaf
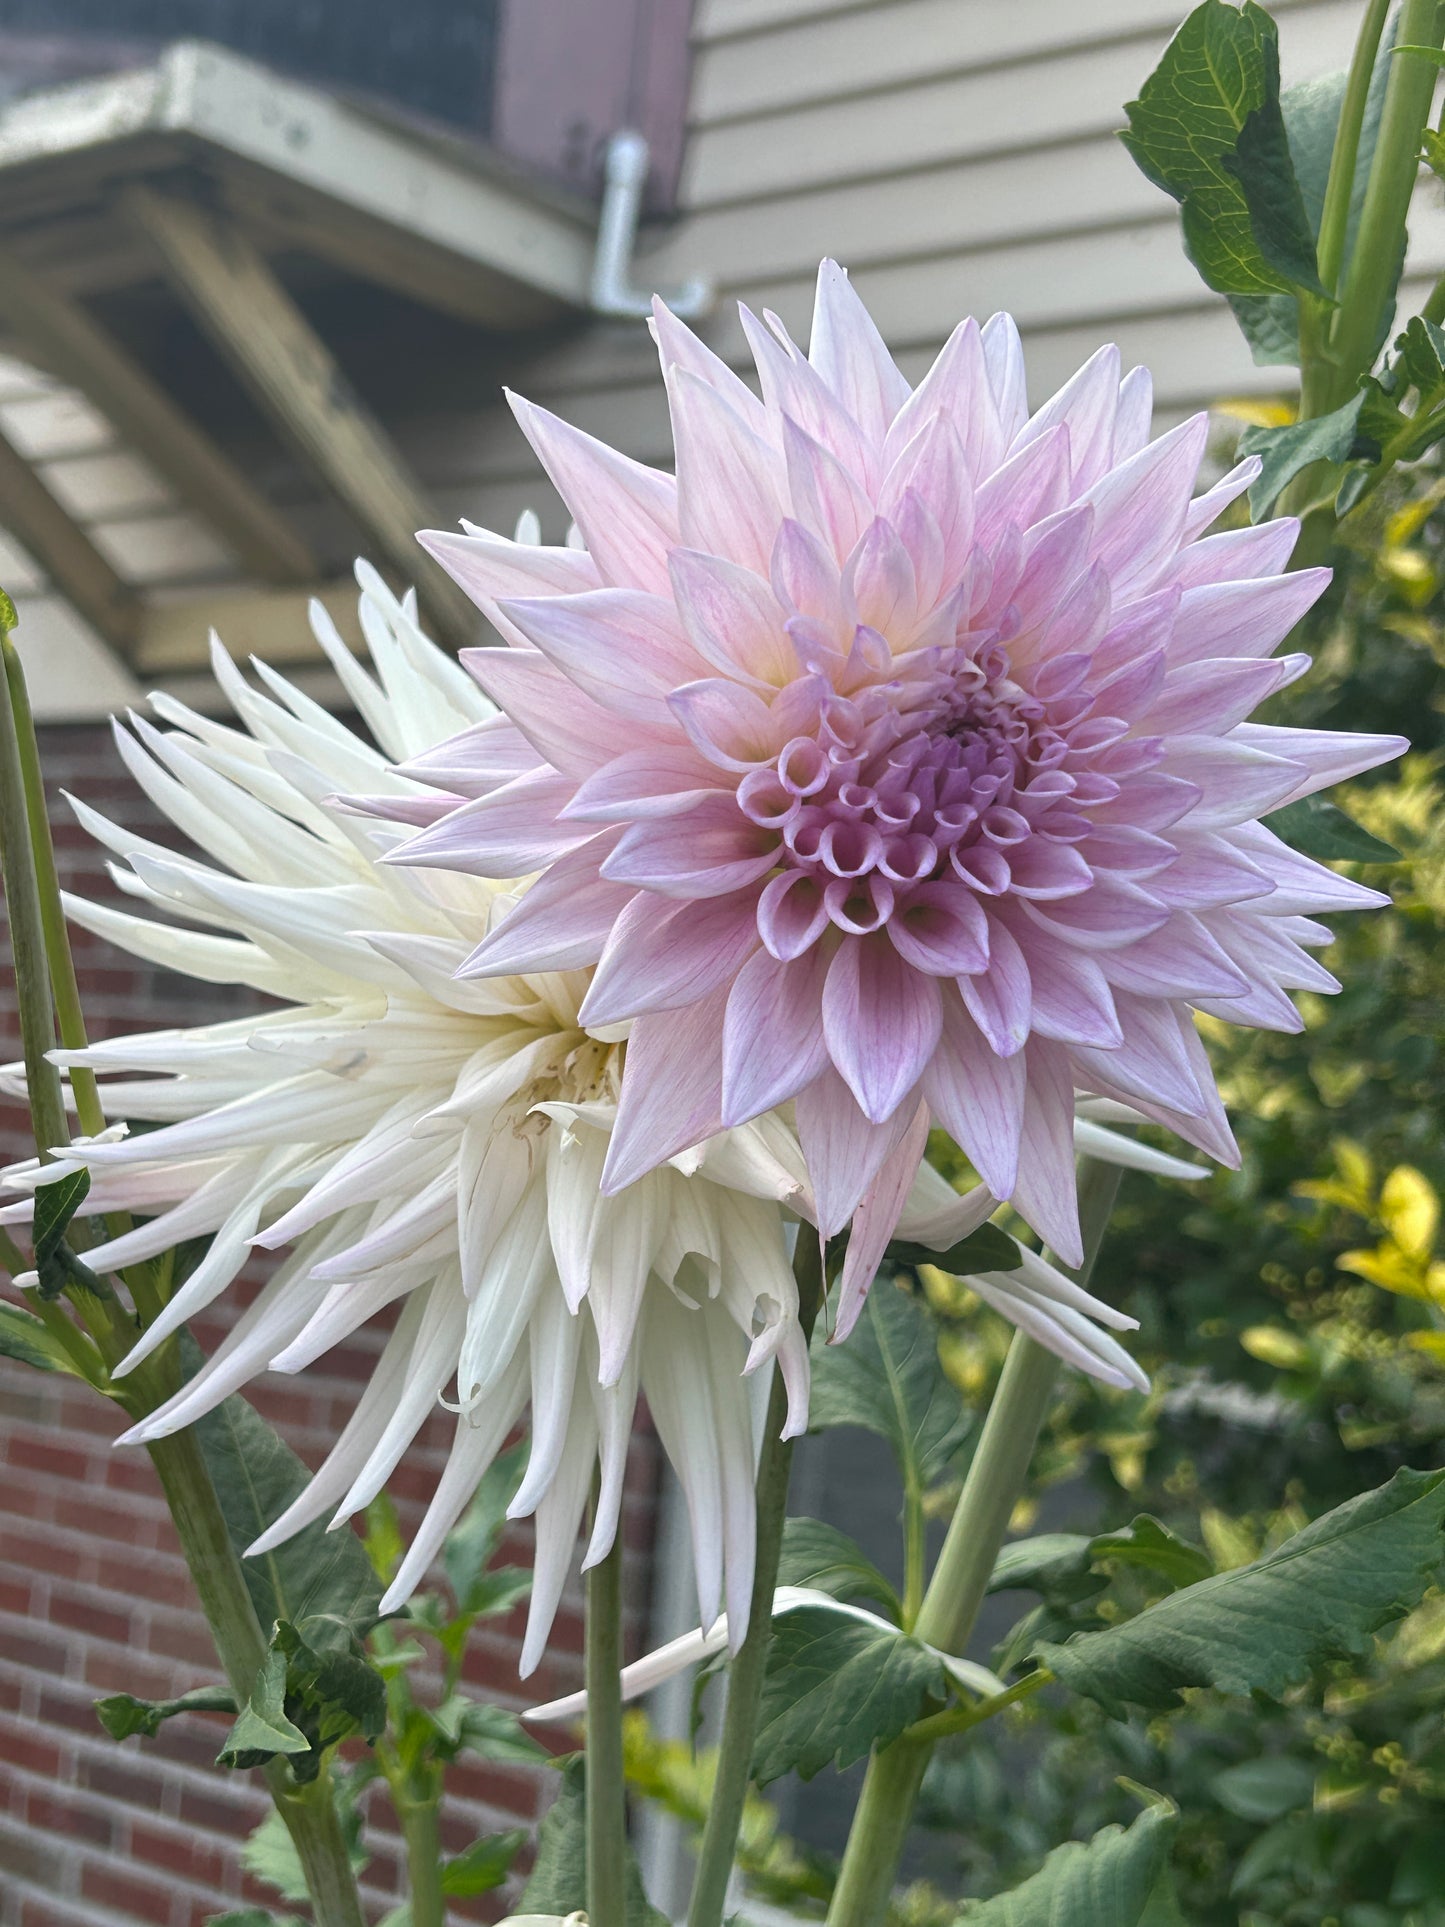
{"points": [[256, 1477], [819, 1555], [1264, 1790], [834, 1688], [887, 1379], [1286, 452], [1320, 829], [56, 1265], [262, 1729], [484, 1864], [472, 1541], [497, 1591], [122, 1714], [27, 1340], [986, 1249], [1208, 128], [558, 1884], [1416, 368], [1119, 1879], [1148, 1542], [1311, 109], [253, 1917], [1262, 1627], [1044, 1564], [489, 1731]]}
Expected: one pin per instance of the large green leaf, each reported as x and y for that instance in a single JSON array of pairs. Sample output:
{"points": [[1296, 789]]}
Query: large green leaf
{"points": [[1207, 128], [1261, 1628], [836, 1686], [464, 1725], [27, 1340], [1287, 452], [1321, 829], [988, 1248], [887, 1379], [1118, 1879], [316, 1573], [1311, 110], [483, 1865], [558, 1884], [819, 1555], [122, 1714]]}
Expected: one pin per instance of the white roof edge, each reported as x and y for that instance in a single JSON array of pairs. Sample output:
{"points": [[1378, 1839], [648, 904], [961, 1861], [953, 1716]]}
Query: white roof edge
{"points": [[310, 138]]}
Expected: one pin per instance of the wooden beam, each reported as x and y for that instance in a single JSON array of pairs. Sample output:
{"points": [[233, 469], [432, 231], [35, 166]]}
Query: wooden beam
{"points": [[238, 300], [66, 553], [265, 622], [70, 344]]}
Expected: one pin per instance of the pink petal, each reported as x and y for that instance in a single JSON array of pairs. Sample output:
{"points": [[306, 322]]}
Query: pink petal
{"points": [[733, 617], [1237, 555], [1140, 506], [849, 353], [663, 959], [793, 388], [825, 497], [477, 761], [679, 347], [875, 1221], [842, 1149], [1000, 998], [489, 566], [663, 780], [792, 913], [627, 513], [624, 649], [671, 1090], [729, 481], [773, 1034], [977, 1096], [942, 930], [712, 848], [1086, 406], [1243, 618], [1328, 755], [573, 733], [882, 1020], [1045, 1192], [561, 923]]}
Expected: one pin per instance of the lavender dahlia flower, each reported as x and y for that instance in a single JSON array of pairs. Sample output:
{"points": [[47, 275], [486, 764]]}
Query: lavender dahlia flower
{"points": [[414, 1138], [892, 761]]}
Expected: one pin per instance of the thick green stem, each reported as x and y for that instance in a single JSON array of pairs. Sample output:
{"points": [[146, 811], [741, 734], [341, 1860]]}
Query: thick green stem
{"points": [[995, 1481], [606, 1787], [1370, 274], [215, 1568], [749, 1663], [421, 1831]]}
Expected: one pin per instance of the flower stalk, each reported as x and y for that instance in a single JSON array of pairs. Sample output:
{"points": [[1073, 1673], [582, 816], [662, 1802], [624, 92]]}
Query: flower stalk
{"points": [[45, 978], [606, 1785], [745, 1673], [995, 1482]]}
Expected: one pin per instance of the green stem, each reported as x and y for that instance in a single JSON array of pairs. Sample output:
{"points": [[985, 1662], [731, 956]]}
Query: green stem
{"points": [[962, 1719], [1369, 279], [914, 1555], [309, 1812], [996, 1478], [606, 1787], [745, 1671], [421, 1832]]}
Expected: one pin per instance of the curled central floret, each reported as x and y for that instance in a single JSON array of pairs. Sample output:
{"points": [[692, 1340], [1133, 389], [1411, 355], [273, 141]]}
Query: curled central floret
{"points": [[916, 796]]}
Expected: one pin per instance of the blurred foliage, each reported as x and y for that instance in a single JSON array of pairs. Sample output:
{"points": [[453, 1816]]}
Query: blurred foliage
{"points": [[1293, 1321]]}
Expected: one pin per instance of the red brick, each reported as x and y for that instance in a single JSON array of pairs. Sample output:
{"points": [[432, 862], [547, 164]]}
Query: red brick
{"points": [[108, 1885], [85, 1614], [49, 1455], [69, 1815], [186, 1854]]}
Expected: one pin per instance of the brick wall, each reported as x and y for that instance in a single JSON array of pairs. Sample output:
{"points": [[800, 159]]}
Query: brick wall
{"points": [[94, 1596]]}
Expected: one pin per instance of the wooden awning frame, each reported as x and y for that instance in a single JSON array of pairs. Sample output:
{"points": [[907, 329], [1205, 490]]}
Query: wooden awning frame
{"points": [[211, 162]]}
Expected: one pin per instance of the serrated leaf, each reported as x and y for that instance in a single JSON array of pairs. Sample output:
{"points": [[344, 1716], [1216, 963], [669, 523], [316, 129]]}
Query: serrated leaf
{"points": [[1148, 1542], [835, 1687], [1311, 110], [256, 1477], [1263, 1627], [262, 1729], [1287, 452], [1320, 829], [122, 1714], [986, 1249], [1208, 128], [483, 1865], [1264, 1790], [56, 1265], [888, 1379], [489, 1731], [472, 1541], [558, 1883], [820, 1556], [1043, 1564], [1120, 1878], [27, 1340], [497, 1591]]}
